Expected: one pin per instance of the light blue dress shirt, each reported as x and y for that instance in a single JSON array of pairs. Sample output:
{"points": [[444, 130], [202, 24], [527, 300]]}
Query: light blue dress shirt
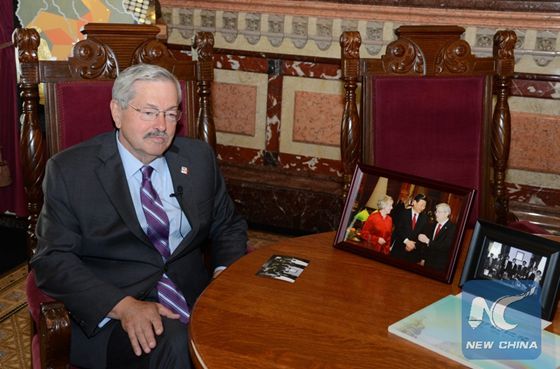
{"points": [[179, 226], [161, 181]]}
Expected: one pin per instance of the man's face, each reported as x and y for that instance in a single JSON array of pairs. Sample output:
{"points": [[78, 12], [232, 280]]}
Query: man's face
{"points": [[147, 140], [419, 205], [441, 215]]}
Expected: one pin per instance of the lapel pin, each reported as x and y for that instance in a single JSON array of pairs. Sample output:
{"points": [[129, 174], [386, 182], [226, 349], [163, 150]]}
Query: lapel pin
{"points": [[184, 170]]}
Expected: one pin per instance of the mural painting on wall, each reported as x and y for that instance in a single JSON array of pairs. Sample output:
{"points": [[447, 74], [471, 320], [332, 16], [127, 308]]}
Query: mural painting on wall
{"points": [[59, 21]]}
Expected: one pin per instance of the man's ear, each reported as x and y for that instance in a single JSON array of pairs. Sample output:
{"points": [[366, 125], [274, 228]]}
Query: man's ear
{"points": [[116, 113]]}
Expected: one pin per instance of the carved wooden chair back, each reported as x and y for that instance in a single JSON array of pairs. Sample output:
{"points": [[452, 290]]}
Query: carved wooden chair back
{"points": [[427, 110]]}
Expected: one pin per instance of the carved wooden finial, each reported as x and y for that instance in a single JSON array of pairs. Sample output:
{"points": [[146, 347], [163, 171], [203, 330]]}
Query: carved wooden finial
{"points": [[27, 42], [350, 143]]}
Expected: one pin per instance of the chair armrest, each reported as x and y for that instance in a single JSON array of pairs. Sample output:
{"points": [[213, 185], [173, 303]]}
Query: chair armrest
{"points": [[54, 335]]}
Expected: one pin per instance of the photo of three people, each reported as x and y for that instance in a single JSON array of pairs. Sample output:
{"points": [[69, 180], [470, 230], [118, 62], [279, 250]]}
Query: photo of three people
{"points": [[418, 228]]}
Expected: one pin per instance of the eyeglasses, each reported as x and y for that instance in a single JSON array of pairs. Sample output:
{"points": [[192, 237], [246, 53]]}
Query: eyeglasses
{"points": [[149, 114]]}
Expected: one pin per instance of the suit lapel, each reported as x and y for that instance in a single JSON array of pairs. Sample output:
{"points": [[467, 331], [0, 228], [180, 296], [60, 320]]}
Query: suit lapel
{"points": [[116, 185], [179, 168]]}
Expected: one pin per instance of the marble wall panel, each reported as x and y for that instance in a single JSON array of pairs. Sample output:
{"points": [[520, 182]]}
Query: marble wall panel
{"points": [[237, 110], [535, 149], [240, 108], [299, 118], [317, 118]]}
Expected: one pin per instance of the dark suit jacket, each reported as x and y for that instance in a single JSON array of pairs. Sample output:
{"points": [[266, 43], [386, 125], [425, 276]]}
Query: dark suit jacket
{"points": [[403, 230], [92, 251], [436, 254]]}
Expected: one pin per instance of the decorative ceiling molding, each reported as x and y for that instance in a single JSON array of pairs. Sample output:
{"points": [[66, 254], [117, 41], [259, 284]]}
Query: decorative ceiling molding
{"points": [[366, 11]]}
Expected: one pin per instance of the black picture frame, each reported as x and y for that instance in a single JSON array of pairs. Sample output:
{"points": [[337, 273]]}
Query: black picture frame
{"points": [[488, 236], [402, 187]]}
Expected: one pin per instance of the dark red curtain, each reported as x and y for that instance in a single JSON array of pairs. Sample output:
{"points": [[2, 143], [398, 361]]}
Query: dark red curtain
{"points": [[12, 197]]}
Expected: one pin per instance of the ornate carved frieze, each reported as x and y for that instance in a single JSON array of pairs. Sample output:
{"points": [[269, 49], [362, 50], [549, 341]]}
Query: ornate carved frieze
{"points": [[252, 30], [537, 47], [324, 33], [230, 26], [208, 21], [275, 29], [545, 48], [373, 40], [300, 32], [185, 24]]}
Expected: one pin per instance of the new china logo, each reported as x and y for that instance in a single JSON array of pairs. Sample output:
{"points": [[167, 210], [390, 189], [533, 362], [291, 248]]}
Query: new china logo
{"points": [[501, 320]]}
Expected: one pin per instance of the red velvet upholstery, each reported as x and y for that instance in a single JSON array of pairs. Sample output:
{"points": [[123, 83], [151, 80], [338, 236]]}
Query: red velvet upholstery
{"points": [[438, 135], [83, 111]]}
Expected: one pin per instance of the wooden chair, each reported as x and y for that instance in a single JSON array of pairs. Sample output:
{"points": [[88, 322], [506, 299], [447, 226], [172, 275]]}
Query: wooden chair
{"points": [[427, 110], [77, 93]]}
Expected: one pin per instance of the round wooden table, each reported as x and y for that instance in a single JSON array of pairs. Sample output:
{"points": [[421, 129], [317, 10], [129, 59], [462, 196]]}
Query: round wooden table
{"points": [[335, 315]]}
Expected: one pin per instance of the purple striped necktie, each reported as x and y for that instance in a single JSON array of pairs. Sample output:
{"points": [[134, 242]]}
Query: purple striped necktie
{"points": [[158, 233]]}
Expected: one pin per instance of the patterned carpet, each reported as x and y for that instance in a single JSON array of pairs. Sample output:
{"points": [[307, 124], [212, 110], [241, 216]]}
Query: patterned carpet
{"points": [[15, 322], [15, 327]]}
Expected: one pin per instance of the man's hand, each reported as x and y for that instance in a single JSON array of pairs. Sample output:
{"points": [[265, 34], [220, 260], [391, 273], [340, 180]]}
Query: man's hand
{"points": [[410, 245], [423, 238], [141, 319]]}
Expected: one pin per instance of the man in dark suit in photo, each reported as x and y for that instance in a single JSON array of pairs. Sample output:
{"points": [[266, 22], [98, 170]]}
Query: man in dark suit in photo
{"points": [[408, 223], [438, 239], [126, 220]]}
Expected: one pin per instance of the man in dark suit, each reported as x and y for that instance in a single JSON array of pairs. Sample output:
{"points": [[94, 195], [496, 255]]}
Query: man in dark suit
{"points": [[407, 226], [438, 239], [126, 219]]}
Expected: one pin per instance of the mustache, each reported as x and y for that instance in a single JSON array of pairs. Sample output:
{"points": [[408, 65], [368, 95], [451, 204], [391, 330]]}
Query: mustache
{"points": [[156, 133]]}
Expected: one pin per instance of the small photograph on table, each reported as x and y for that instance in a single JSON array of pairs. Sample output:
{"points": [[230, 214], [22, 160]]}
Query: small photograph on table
{"points": [[283, 267], [513, 258]]}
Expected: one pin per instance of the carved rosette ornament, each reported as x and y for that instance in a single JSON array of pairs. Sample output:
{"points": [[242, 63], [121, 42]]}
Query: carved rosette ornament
{"points": [[455, 58], [350, 144], [504, 44], [91, 60], [150, 52], [402, 57]]}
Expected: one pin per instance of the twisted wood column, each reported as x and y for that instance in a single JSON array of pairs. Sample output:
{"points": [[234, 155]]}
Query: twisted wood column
{"points": [[504, 43], [351, 128], [204, 45], [32, 144]]}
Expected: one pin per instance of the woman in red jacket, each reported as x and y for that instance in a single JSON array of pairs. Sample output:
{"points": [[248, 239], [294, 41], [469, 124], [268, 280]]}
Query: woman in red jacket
{"points": [[379, 226]]}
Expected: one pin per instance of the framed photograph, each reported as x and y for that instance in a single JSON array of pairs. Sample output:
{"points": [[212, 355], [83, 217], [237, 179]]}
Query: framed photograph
{"points": [[504, 254], [407, 221]]}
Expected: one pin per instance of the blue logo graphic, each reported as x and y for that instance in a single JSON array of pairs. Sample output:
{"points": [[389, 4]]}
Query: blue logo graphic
{"points": [[500, 320]]}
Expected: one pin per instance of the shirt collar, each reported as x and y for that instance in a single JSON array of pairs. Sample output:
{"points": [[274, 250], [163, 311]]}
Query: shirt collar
{"points": [[132, 165]]}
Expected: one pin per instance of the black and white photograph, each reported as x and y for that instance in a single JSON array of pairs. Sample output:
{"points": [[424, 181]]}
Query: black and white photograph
{"points": [[504, 262], [500, 253], [283, 267]]}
